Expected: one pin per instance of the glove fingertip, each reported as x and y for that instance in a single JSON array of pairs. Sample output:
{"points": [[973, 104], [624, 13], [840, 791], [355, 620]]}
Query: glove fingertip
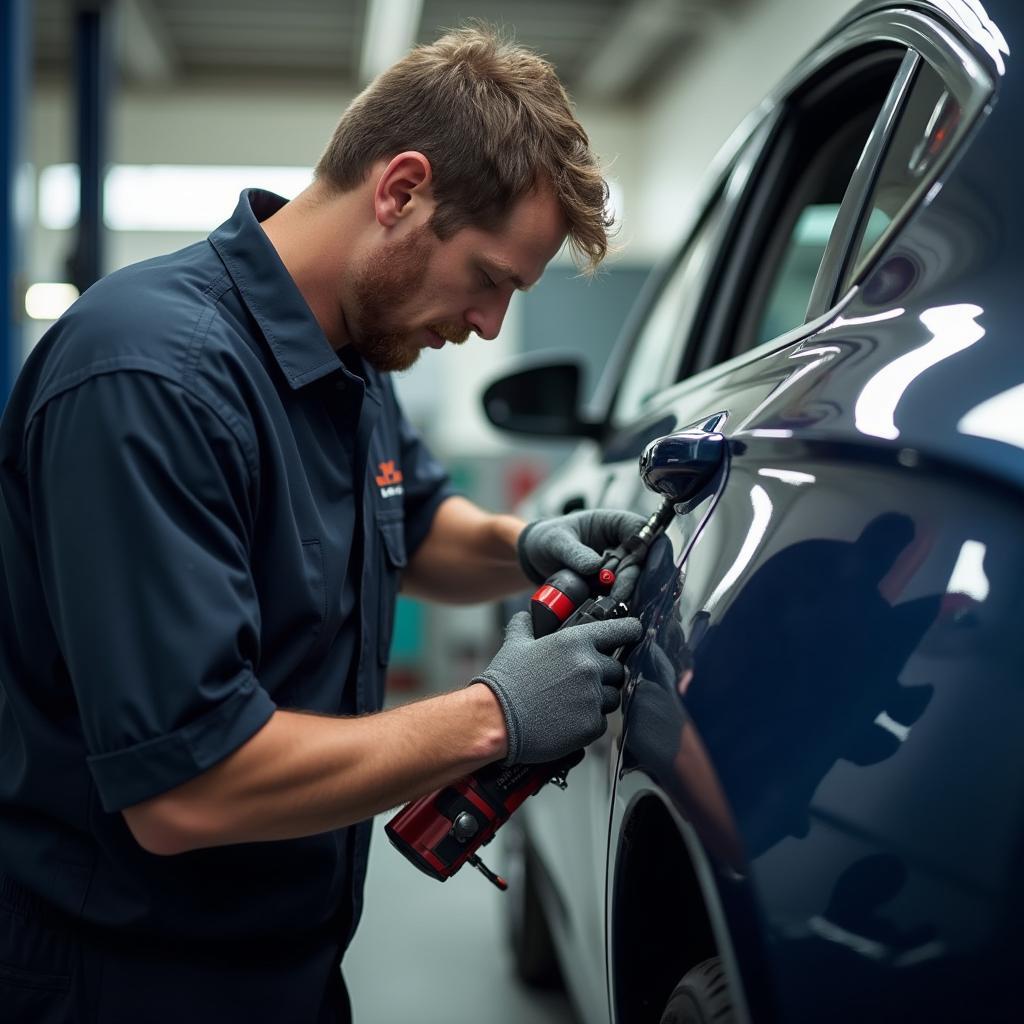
{"points": [[520, 627], [584, 561]]}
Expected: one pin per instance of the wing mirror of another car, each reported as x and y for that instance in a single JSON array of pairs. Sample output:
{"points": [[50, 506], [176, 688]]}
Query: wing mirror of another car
{"points": [[541, 399], [679, 466]]}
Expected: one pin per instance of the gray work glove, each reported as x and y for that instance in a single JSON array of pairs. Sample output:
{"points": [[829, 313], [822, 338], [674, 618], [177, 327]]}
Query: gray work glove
{"points": [[577, 541], [556, 690]]}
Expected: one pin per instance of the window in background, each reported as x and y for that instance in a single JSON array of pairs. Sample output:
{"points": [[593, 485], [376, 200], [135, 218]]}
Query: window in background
{"points": [[162, 197]]}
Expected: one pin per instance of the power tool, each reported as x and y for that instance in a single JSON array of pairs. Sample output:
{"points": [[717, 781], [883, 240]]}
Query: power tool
{"points": [[444, 830]]}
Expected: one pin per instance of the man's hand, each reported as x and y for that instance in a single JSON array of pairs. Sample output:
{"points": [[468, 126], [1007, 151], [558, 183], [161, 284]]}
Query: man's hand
{"points": [[577, 541], [556, 690]]}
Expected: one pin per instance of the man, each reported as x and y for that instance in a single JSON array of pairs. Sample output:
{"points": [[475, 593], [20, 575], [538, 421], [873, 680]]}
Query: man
{"points": [[209, 498]]}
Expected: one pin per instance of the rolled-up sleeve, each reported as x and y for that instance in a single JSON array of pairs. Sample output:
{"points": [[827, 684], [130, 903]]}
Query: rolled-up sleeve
{"points": [[141, 502]]}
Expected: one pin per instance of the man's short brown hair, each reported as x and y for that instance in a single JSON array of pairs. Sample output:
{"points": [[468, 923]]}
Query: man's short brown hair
{"points": [[493, 120]]}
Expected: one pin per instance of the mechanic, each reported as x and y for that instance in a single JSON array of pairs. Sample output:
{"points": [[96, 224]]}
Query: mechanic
{"points": [[209, 496]]}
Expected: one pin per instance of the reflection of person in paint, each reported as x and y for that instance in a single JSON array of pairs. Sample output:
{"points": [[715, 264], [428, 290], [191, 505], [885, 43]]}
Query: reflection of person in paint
{"points": [[791, 679], [799, 668]]}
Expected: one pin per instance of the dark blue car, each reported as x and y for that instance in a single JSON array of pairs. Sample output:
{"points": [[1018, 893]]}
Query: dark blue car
{"points": [[811, 807]]}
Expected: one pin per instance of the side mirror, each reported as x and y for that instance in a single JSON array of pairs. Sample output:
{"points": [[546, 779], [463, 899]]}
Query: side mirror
{"points": [[541, 399], [679, 466]]}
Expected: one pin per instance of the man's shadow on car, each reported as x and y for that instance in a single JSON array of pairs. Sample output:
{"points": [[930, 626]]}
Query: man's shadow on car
{"points": [[800, 672]]}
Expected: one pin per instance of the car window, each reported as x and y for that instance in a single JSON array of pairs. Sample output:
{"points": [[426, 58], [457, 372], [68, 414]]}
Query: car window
{"points": [[787, 300], [926, 125], [817, 155], [657, 352]]}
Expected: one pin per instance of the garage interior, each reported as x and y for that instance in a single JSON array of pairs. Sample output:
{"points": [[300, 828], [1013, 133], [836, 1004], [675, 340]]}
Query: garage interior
{"points": [[131, 126]]}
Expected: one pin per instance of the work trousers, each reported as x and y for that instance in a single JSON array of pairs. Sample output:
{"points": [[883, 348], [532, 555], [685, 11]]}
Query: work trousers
{"points": [[52, 974]]}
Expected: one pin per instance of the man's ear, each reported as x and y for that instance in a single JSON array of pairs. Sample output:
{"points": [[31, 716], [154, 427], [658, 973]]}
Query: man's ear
{"points": [[403, 190]]}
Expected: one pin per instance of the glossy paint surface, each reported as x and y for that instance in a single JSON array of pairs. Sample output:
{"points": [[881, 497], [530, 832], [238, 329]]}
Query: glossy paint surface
{"points": [[830, 693]]}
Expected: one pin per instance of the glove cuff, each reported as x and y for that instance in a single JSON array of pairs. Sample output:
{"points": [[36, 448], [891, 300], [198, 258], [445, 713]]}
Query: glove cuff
{"points": [[524, 561], [514, 739]]}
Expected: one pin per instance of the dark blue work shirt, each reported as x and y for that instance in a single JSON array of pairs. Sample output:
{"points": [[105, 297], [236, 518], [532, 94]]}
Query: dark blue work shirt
{"points": [[203, 517]]}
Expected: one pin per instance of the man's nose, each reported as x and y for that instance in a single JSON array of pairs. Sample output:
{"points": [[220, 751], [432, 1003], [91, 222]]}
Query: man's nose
{"points": [[486, 320]]}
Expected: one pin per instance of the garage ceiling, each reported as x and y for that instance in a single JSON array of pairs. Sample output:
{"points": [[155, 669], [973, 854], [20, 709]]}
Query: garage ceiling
{"points": [[608, 50]]}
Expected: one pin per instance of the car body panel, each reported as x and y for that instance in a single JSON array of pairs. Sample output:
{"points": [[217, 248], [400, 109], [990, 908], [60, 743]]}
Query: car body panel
{"points": [[828, 696], [841, 667]]}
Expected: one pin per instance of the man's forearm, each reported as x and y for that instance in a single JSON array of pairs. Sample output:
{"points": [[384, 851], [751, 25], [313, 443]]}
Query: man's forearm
{"points": [[303, 774], [469, 555]]}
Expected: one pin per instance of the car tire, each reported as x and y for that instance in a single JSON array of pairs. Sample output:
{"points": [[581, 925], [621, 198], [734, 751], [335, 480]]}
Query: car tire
{"points": [[702, 997], [529, 938]]}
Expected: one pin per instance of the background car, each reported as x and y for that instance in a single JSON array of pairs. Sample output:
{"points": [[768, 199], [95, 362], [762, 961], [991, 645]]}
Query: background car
{"points": [[810, 805]]}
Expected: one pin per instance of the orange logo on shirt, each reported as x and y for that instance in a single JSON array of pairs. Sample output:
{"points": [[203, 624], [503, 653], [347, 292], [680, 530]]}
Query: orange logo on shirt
{"points": [[388, 474]]}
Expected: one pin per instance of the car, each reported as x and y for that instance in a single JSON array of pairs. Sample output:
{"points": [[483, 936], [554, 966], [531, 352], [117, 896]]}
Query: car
{"points": [[810, 806]]}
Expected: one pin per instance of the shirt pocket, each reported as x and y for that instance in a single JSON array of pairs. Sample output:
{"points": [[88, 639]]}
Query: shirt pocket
{"points": [[392, 560]]}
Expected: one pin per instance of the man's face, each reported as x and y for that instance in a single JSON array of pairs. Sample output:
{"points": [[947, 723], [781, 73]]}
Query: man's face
{"points": [[418, 292]]}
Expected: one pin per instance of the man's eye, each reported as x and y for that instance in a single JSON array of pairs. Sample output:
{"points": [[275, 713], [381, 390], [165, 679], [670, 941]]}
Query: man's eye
{"points": [[485, 280]]}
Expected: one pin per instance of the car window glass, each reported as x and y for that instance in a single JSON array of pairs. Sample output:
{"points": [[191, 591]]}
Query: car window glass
{"points": [[657, 352], [929, 119], [799, 237], [788, 220], [787, 301]]}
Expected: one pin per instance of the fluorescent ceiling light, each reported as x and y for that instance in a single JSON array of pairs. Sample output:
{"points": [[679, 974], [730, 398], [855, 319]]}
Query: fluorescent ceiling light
{"points": [[48, 300], [163, 197]]}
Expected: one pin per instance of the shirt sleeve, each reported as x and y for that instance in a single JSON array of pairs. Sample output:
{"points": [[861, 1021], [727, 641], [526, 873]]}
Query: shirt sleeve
{"points": [[142, 518], [425, 484]]}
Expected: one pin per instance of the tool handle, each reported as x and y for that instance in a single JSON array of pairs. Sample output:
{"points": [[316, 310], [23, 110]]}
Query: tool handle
{"points": [[443, 830]]}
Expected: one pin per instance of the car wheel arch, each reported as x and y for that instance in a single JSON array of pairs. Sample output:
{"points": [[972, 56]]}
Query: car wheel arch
{"points": [[664, 915]]}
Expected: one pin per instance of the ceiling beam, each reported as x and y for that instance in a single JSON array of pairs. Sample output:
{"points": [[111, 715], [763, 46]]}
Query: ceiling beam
{"points": [[636, 41], [392, 27], [145, 51]]}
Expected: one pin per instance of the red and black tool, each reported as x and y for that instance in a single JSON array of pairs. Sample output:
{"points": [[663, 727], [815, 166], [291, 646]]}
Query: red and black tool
{"points": [[444, 830]]}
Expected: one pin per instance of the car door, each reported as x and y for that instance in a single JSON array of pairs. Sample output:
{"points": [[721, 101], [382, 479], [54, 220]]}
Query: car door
{"points": [[787, 184], [569, 838], [797, 605]]}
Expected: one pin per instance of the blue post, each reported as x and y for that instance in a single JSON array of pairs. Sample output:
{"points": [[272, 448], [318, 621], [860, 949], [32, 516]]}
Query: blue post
{"points": [[92, 74], [15, 197]]}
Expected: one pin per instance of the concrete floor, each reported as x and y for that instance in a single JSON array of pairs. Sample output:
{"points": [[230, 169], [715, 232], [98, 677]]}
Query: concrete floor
{"points": [[435, 953]]}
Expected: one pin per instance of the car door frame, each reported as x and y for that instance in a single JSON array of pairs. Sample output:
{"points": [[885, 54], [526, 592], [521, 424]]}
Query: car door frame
{"points": [[825, 305]]}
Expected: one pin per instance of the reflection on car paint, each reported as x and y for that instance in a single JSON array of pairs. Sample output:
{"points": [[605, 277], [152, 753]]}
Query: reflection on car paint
{"points": [[969, 576], [954, 328], [762, 507], [836, 645], [789, 476], [1000, 418], [974, 20]]}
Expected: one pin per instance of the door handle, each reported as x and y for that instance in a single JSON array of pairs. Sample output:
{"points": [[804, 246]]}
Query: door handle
{"points": [[679, 466]]}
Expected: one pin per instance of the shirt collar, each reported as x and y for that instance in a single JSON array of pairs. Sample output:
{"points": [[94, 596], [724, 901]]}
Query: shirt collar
{"points": [[268, 291]]}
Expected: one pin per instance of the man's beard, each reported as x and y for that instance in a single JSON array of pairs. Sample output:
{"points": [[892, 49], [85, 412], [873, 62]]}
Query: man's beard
{"points": [[396, 275]]}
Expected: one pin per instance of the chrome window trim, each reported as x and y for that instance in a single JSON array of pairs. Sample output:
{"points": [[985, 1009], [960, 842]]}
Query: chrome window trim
{"points": [[859, 189], [902, 26], [928, 40], [921, 33]]}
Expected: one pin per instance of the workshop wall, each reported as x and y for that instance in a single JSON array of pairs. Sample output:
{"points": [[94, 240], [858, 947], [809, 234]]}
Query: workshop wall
{"points": [[744, 53]]}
